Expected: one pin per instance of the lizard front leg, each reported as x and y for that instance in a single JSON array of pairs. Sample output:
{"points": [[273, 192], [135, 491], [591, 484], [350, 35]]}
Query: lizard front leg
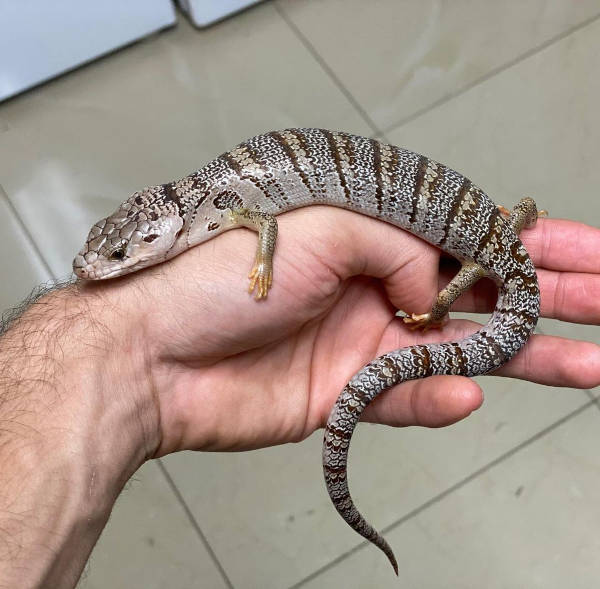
{"points": [[261, 275]]}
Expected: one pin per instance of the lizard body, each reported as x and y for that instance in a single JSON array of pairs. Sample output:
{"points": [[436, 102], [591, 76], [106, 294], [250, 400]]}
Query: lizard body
{"points": [[280, 171]]}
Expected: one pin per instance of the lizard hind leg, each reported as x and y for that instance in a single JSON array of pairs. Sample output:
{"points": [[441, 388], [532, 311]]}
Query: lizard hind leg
{"points": [[466, 277], [524, 215]]}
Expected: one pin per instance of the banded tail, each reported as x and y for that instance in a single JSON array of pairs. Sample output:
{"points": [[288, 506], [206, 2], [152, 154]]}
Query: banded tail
{"points": [[509, 327]]}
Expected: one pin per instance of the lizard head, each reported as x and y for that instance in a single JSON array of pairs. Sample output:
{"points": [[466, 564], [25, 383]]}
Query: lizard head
{"points": [[138, 234]]}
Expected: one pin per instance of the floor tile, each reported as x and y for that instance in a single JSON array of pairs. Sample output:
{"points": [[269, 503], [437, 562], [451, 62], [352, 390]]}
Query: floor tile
{"points": [[154, 112], [397, 58], [20, 265], [71, 150], [532, 130], [266, 513], [149, 542], [530, 521]]}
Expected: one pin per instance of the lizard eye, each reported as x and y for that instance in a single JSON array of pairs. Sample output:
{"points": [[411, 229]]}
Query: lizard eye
{"points": [[118, 254], [150, 238]]}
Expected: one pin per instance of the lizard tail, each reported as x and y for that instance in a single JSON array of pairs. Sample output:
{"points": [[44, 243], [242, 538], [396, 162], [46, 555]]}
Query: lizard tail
{"points": [[494, 344]]}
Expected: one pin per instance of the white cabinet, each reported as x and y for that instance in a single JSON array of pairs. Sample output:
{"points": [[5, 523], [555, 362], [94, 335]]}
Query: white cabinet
{"points": [[206, 12], [43, 38]]}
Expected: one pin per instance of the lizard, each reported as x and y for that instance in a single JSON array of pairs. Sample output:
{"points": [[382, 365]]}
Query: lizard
{"points": [[278, 171]]}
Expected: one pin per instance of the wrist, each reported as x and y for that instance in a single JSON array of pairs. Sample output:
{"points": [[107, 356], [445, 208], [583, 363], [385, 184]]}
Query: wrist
{"points": [[76, 424]]}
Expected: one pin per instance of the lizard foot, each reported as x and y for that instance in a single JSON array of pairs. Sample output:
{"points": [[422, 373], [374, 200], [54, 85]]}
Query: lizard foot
{"points": [[261, 279], [424, 322], [504, 211]]}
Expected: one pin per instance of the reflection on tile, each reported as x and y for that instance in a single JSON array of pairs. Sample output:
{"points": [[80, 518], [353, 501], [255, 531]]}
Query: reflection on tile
{"points": [[270, 507], [400, 57], [512, 134], [530, 521], [152, 113], [20, 266], [149, 542]]}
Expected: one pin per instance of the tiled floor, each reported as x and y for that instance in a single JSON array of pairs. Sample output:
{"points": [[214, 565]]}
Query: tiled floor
{"points": [[507, 93]]}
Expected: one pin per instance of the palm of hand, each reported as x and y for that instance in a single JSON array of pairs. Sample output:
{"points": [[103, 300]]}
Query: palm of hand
{"points": [[233, 374]]}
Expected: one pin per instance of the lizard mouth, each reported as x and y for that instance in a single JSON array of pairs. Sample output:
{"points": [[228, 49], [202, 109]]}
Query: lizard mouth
{"points": [[94, 271], [91, 273]]}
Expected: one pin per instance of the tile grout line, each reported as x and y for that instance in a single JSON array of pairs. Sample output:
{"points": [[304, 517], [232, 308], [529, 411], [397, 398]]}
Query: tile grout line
{"points": [[194, 522], [487, 76], [439, 497], [328, 70], [26, 232]]}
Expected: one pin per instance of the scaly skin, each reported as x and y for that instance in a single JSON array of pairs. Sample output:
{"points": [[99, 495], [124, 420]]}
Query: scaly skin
{"points": [[280, 171]]}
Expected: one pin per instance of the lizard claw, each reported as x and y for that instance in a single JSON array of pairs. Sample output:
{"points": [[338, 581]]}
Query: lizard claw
{"points": [[504, 211], [261, 279], [424, 322]]}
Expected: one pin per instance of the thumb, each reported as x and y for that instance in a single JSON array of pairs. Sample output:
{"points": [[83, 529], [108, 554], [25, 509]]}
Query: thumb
{"points": [[353, 244]]}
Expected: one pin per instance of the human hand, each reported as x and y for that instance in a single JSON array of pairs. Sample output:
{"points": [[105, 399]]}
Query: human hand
{"points": [[230, 373], [96, 378]]}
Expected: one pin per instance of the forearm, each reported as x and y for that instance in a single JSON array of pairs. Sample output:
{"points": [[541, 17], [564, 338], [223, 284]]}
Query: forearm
{"points": [[74, 426]]}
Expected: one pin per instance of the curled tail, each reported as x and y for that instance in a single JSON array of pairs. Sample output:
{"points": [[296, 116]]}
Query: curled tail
{"points": [[494, 344]]}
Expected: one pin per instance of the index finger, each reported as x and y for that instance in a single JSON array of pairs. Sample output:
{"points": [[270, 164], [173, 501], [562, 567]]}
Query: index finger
{"points": [[562, 245]]}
